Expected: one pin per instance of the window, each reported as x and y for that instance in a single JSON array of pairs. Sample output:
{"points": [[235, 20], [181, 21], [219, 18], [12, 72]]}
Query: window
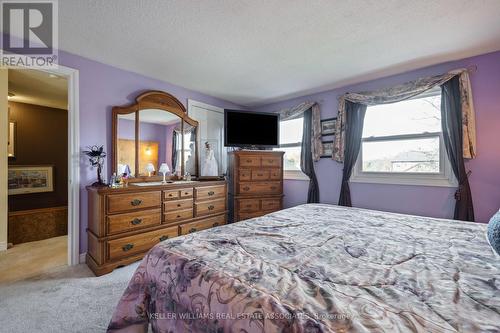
{"points": [[290, 143], [402, 144]]}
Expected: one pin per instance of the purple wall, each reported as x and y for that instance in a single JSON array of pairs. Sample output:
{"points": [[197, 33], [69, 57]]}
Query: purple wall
{"points": [[418, 200], [102, 87]]}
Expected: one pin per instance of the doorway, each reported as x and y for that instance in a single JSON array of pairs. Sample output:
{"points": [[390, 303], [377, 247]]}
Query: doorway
{"points": [[43, 172]]}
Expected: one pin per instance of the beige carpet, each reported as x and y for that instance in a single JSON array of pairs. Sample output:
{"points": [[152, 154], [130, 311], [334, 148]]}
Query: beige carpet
{"points": [[67, 299], [34, 258]]}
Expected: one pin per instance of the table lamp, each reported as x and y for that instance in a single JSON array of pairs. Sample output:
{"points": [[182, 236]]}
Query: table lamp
{"points": [[150, 168], [164, 169]]}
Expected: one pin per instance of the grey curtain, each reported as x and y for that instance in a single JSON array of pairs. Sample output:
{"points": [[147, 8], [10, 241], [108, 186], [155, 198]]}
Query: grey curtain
{"points": [[306, 159], [174, 151], [451, 122], [355, 117]]}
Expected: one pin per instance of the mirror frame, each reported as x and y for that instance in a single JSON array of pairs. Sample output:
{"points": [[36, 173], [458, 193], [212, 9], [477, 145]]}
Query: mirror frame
{"points": [[152, 99]]}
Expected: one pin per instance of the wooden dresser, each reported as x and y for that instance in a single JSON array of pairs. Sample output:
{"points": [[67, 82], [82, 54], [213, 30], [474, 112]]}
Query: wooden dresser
{"points": [[255, 183], [124, 223]]}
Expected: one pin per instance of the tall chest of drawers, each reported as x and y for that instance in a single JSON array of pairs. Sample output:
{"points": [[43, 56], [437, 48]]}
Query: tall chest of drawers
{"points": [[125, 223], [255, 183]]}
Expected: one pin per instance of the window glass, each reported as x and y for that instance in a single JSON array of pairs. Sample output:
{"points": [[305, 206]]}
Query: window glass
{"points": [[291, 131], [412, 155], [413, 116], [290, 143]]}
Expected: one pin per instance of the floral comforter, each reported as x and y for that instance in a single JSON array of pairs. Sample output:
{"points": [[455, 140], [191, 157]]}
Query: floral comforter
{"points": [[318, 268]]}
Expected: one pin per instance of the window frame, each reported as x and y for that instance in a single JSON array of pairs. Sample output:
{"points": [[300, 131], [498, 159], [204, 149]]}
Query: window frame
{"points": [[444, 178], [293, 174]]}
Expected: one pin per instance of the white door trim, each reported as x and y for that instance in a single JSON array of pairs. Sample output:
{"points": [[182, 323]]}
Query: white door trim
{"points": [[192, 103], [72, 75]]}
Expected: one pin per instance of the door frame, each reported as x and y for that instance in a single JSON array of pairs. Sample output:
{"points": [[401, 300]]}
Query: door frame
{"points": [[72, 76]]}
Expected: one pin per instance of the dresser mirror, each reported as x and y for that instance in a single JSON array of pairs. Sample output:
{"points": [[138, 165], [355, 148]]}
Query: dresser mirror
{"points": [[153, 137]]}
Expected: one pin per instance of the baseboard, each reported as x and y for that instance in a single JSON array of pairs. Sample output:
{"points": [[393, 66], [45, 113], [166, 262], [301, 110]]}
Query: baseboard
{"points": [[82, 258], [3, 246]]}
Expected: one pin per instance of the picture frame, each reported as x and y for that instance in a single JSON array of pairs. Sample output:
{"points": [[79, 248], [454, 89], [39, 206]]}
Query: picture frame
{"points": [[327, 149], [328, 126], [30, 179], [11, 144]]}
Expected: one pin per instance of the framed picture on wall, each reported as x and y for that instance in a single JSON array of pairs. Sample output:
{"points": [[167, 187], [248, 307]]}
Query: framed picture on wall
{"points": [[327, 149], [11, 144], [328, 126], [30, 179]]}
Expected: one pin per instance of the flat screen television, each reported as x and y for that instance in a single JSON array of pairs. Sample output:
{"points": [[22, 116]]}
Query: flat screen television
{"points": [[249, 129]]}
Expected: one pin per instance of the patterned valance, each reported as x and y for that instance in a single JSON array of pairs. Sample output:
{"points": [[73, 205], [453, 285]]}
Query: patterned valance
{"points": [[408, 90], [296, 112]]}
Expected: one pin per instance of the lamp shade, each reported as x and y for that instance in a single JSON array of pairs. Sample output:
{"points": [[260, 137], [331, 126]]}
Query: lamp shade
{"points": [[164, 168], [124, 169], [150, 167]]}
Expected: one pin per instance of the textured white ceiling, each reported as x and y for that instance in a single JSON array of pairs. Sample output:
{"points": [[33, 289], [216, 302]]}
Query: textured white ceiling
{"points": [[259, 51]]}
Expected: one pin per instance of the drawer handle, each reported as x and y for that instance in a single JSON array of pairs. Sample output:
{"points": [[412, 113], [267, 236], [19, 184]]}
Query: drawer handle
{"points": [[162, 238], [215, 224], [127, 247], [170, 194], [136, 221], [211, 207], [178, 205], [273, 187], [178, 216], [246, 188], [192, 230], [187, 193], [249, 161], [135, 202], [211, 193]]}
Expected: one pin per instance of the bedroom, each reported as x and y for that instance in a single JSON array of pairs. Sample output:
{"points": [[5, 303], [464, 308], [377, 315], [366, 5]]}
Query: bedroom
{"points": [[306, 61]]}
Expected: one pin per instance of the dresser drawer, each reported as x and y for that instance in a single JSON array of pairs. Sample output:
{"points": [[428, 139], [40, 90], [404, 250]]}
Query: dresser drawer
{"points": [[186, 192], [271, 161], [127, 246], [209, 192], [188, 228], [171, 195], [246, 216], [245, 174], [248, 205], [260, 174], [210, 207], [178, 205], [249, 161], [275, 174], [124, 202], [179, 215], [260, 188], [270, 204], [131, 221]]}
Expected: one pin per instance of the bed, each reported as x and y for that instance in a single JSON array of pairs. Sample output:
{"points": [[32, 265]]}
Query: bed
{"points": [[318, 268]]}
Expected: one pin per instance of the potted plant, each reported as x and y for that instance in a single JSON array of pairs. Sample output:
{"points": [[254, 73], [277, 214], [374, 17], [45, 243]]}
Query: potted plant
{"points": [[96, 157]]}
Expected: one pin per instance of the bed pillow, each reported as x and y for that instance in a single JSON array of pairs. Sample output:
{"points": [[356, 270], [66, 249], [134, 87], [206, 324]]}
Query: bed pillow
{"points": [[494, 232]]}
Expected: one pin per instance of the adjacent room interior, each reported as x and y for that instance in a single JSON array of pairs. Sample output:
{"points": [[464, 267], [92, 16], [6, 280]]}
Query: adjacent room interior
{"points": [[246, 166], [37, 174]]}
